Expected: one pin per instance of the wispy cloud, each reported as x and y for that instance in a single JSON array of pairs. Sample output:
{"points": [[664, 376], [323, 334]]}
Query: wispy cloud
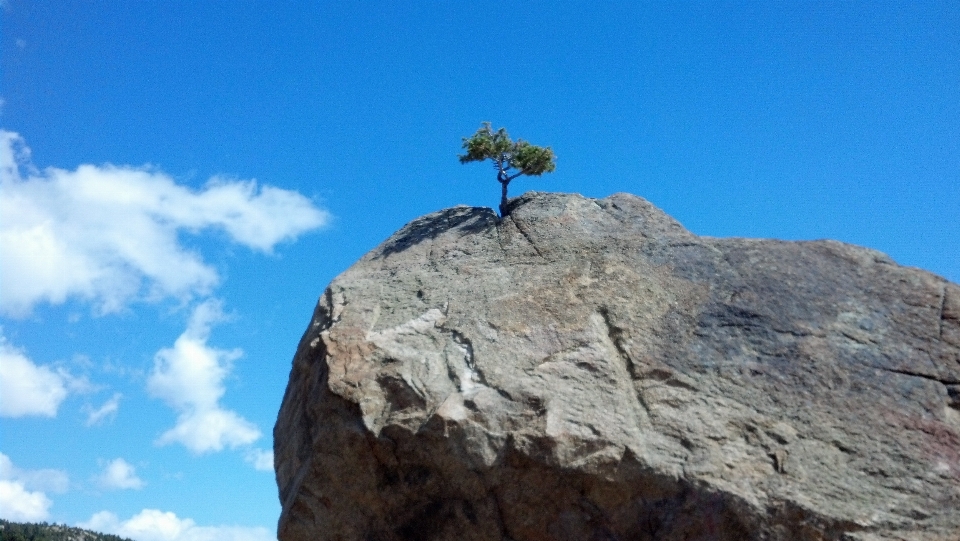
{"points": [[27, 388], [155, 525], [120, 474], [189, 378], [22, 496], [260, 460], [46, 479], [117, 230], [107, 411]]}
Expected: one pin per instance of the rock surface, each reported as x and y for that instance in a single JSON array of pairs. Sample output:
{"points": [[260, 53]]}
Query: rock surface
{"points": [[588, 369]]}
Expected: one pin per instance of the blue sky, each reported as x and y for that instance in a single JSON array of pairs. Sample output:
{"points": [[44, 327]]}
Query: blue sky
{"points": [[180, 181]]}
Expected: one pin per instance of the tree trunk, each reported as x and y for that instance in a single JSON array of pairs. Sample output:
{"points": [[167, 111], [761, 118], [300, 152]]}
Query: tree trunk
{"points": [[503, 198]]}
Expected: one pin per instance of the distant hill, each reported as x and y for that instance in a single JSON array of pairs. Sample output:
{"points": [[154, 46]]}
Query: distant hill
{"points": [[16, 531]]}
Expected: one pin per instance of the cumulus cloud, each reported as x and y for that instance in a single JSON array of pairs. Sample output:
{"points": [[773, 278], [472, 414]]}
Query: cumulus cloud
{"points": [[155, 525], [117, 230], [260, 460], [107, 411], [19, 505], [26, 388], [120, 474], [22, 495], [189, 378]]}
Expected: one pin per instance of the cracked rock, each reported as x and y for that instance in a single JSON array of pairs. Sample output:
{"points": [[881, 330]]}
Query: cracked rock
{"points": [[588, 369]]}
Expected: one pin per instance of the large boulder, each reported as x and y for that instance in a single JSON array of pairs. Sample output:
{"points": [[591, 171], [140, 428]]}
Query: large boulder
{"points": [[588, 369]]}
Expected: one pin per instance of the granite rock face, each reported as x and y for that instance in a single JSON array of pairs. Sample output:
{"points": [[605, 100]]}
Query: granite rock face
{"points": [[589, 370]]}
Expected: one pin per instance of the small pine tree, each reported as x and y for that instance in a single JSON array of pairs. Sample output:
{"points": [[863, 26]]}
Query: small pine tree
{"points": [[507, 156]]}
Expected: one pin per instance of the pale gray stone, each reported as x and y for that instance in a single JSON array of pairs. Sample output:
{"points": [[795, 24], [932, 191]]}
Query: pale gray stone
{"points": [[588, 369]]}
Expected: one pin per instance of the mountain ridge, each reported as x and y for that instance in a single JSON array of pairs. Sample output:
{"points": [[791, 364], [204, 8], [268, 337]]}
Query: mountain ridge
{"points": [[42, 531]]}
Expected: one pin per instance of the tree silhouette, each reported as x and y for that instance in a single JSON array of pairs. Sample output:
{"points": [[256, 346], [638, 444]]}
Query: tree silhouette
{"points": [[511, 159]]}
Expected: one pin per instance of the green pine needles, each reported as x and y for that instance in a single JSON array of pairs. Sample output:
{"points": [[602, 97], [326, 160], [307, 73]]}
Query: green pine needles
{"points": [[511, 159]]}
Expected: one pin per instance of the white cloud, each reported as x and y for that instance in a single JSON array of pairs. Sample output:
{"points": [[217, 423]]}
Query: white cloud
{"points": [[203, 431], [44, 480], [260, 460], [26, 388], [21, 491], [107, 411], [189, 377], [120, 474], [19, 505], [116, 230], [155, 525]]}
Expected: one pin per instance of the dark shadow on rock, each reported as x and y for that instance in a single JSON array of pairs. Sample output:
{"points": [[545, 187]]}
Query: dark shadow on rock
{"points": [[468, 220]]}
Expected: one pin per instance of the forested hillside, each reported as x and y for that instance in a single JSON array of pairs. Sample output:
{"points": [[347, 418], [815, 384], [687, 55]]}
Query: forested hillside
{"points": [[15, 531]]}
